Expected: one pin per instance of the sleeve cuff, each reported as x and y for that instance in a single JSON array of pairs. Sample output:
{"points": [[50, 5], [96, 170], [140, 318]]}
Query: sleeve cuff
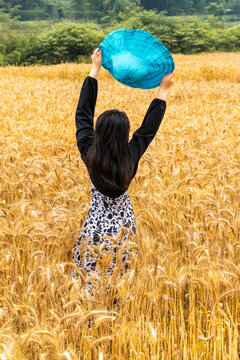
{"points": [[91, 78], [157, 100]]}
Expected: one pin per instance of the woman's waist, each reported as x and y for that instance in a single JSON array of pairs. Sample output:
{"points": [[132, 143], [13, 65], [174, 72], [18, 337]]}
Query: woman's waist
{"points": [[103, 190]]}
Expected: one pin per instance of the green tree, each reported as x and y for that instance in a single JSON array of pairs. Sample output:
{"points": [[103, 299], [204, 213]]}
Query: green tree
{"points": [[234, 5], [28, 9], [7, 7], [199, 6], [81, 8], [215, 9], [101, 9], [173, 7], [121, 5]]}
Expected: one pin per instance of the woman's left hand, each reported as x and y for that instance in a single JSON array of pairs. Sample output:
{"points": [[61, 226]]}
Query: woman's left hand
{"points": [[97, 59]]}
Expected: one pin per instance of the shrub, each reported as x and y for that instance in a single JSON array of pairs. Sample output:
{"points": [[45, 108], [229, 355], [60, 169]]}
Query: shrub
{"points": [[74, 42], [65, 42], [182, 36]]}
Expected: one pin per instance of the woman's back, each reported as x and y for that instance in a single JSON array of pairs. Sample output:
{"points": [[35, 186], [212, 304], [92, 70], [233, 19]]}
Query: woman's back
{"points": [[86, 135]]}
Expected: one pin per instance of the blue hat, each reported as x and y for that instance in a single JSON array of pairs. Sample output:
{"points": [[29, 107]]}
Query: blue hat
{"points": [[136, 58]]}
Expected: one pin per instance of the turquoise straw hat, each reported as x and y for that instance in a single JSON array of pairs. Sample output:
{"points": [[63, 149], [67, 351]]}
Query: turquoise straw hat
{"points": [[136, 58]]}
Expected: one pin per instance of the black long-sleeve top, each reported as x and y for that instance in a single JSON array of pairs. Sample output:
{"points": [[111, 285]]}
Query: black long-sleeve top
{"points": [[85, 131]]}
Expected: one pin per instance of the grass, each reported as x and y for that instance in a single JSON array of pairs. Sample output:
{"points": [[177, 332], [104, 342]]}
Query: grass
{"points": [[180, 300], [32, 26], [229, 20]]}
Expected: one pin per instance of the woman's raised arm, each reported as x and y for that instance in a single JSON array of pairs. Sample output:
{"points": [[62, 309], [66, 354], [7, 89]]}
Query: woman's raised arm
{"points": [[86, 107], [151, 122]]}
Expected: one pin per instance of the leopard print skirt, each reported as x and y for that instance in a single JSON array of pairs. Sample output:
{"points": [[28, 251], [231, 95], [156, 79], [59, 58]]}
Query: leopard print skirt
{"points": [[106, 217]]}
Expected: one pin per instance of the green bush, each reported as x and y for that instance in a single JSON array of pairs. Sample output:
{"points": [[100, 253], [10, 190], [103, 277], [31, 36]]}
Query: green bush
{"points": [[13, 48], [1, 60], [65, 42], [155, 23], [187, 37], [234, 36], [74, 42]]}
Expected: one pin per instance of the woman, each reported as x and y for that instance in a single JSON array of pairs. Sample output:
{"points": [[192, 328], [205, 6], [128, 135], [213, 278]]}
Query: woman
{"points": [[112, 162]]}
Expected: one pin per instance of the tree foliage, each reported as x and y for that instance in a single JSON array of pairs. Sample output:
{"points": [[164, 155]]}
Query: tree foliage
{"points": [[185, 37], [103, 11], [69, 42], [181, 7], [99, 8], [28, 9]]}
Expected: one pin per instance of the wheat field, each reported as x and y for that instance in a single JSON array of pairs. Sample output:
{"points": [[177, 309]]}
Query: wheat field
{"points": [[180, 300]]}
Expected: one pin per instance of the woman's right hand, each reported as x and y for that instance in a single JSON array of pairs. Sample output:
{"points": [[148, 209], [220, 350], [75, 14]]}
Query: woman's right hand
{"points": [[96, 63], [167, 81], [97, 59]]}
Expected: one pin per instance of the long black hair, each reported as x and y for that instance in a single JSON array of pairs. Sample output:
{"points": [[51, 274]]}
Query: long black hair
{"points": [[109, 156]]}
